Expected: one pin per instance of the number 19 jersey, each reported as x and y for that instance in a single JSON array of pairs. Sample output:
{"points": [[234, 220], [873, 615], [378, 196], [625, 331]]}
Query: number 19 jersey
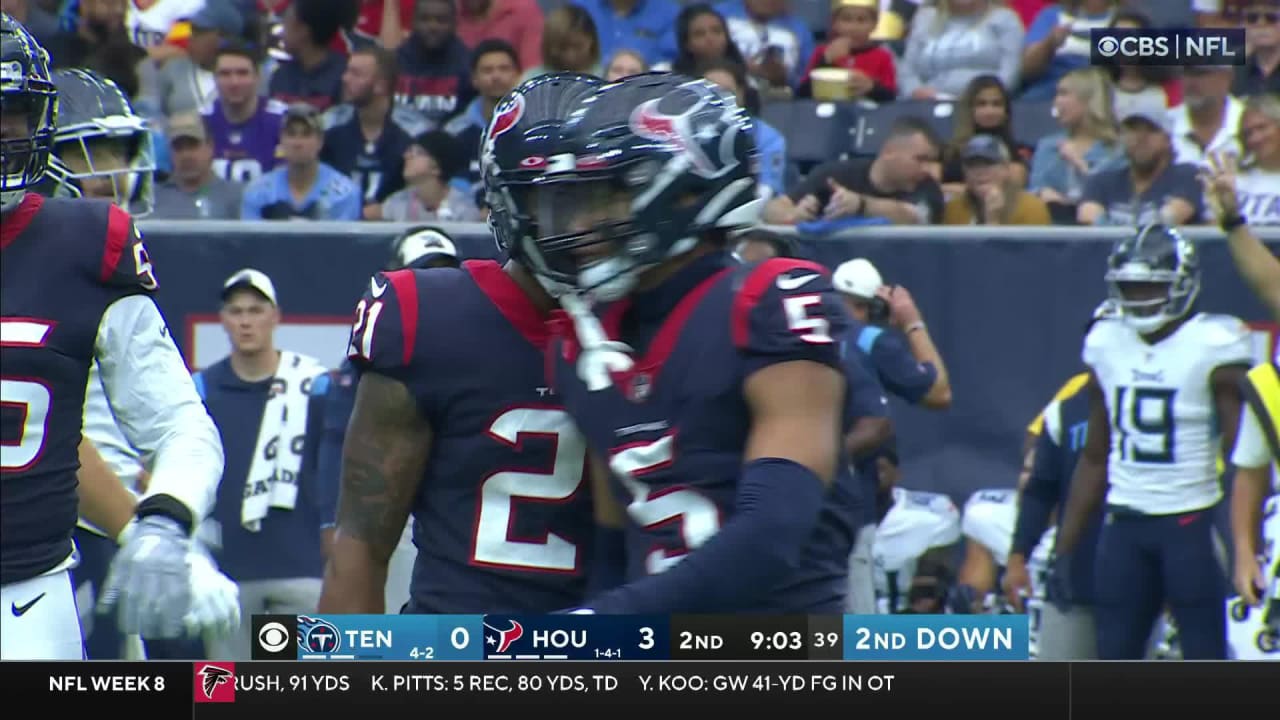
{"points": [[502, 517], [1164, 433]]}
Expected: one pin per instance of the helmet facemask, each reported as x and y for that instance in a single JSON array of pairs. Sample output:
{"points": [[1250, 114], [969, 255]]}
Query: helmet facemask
{"points": [[1149, 299], [27, 111], [111, 157]]}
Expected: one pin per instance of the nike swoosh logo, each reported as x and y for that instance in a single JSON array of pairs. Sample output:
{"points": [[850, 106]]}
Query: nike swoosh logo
{"points": [[789, 283], [20, 610], [375, 288]]}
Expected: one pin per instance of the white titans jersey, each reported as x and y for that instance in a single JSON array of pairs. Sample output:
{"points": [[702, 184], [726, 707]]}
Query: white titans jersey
{"points": [[1248, 637], [916, 523], [101, 429], [1164, 439], [990, 517]]}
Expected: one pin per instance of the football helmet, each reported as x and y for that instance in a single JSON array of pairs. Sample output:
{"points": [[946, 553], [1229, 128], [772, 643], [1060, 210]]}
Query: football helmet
{"points": [[1153, 277], [423, 246], [101, 146], [647, 166], [517, 142], [28, 112]]}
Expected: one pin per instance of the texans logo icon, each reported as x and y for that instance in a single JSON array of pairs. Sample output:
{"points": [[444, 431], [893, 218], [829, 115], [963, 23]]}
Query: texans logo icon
{"points": [[506, 637], [506, 117]]}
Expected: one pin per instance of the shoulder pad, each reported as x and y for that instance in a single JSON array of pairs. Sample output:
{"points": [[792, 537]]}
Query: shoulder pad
{"points": [[1219, 330], [785, 308], [120, 259], [338, 115], [989, 521], [910, 528], [385, 331], [1105, 334], [410, 120]]}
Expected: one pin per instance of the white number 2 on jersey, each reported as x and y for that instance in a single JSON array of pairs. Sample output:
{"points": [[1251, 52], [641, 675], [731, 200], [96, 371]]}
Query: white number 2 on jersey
{"points": [[31, 396], [499, 493]]}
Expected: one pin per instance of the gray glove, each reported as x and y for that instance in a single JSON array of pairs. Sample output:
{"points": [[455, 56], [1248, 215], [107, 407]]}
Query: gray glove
{"points": [[149, 583]]}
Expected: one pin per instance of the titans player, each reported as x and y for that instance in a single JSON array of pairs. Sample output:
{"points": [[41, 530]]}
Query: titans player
{"points": [[454, 419], [1164, 380], [102, 313], [714, 390]]}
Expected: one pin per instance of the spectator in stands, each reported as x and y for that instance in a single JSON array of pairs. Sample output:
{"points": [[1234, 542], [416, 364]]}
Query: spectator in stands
{"points": [[1058, 42], [625, 63], [872, 74], [244, 127], [153, 26], [430, 162], [266, 511], [1254, 261], [760, 245], [517, 22], [1154, 188], [495, 70], [569, 44], [702, 35], [435, 67], [895, 186], [985, 108], [1256, 179], [1087, 144], [1208, 120], [185, 83], [303, 188], [992, 195], [955, 41], [97, 40], [384, 22], [193, 191], [1261, 74], [770, 143], [774, 42], [1138, 84], [41, 23], [367, 135], [643, 26], [313, 72], [1027, 9]]}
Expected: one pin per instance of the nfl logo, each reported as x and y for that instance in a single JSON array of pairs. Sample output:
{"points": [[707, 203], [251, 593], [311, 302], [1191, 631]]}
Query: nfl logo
{"points": [[641, 386]]}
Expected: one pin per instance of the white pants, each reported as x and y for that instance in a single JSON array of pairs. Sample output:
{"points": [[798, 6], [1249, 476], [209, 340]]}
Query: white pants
{"points": [[861, 599], [286, 596], [48, 627], [400, 571]]}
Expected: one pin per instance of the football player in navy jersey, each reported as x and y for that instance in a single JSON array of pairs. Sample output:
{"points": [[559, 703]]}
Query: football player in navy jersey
{"points": [[101, 313], [454, 421], [714, 390]]}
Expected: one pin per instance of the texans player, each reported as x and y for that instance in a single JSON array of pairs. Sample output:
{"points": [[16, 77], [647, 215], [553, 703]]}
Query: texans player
{"points": [[453, 417], [101, 313], [1164, 380], [714, 390]]}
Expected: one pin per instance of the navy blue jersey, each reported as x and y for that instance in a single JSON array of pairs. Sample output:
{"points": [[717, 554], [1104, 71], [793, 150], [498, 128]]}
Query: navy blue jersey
{"points": [[502, 518], [376, 167], [64, 262], [674, 428]]}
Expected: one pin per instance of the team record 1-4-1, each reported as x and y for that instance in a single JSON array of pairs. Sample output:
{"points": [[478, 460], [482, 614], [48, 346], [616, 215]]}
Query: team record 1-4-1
{"points": [[622, 638]]}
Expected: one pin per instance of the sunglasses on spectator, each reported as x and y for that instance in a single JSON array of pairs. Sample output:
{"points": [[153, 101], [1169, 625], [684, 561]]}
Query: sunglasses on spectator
{"points": [[1253, 18]]}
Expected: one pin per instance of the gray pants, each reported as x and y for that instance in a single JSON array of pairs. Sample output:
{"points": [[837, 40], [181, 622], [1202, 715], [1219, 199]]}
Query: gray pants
{"points": [[285, 596], [1067, 635], [861, 599]]}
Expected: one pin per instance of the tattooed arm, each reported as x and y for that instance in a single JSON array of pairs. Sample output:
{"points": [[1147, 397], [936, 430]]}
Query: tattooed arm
{"points": [[383, 459]]}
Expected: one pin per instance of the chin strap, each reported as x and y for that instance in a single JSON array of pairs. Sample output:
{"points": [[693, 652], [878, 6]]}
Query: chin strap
{"points": [[599, 356]]}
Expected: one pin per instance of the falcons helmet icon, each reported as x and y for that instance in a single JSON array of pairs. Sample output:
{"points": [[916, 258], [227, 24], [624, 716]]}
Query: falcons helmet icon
{"points": [[504, 638], [213, 676]]}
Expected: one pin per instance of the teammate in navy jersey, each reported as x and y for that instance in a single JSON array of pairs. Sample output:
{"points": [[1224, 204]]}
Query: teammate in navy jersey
{"points": [[714, 390], [102, 313], [453, 420]]}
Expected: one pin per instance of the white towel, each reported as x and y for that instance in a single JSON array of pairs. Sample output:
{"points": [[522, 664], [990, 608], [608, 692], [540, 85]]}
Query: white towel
{"points": [[273, 476]]}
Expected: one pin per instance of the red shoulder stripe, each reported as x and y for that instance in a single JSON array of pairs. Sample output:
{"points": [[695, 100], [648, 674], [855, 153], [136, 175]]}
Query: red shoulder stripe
{"points": [[754, 288], [118, 222], [20, 218], [406, 290]]}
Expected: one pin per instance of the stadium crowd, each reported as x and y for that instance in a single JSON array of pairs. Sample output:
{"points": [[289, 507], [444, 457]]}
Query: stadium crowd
{"points": [[365, 110]]}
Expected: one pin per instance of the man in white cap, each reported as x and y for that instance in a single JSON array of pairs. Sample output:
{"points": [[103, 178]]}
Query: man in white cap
{"points": [[913, 371], [265, 530]]}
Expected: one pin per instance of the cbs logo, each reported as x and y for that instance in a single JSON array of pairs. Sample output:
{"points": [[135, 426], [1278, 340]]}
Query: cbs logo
{"points": [[1129, 46], [274, 637]]}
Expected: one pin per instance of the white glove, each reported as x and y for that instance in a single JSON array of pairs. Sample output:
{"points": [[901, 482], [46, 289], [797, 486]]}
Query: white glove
{"points": [[215, 599], [149, 583]]}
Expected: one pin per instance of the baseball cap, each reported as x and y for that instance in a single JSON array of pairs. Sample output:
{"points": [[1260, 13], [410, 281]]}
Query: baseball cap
{"points": [[985, 147], [218, 15], [252, 280], [857, 277], [419, 246], [187, 125], [1152, 111], [306, 113]]}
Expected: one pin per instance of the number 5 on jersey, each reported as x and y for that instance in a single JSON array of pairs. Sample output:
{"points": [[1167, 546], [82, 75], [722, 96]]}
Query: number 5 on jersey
{"points": [[28, 397]]}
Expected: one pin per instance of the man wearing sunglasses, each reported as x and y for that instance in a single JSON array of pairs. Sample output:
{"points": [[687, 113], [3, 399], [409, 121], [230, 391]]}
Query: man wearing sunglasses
{"points": [[1261, 73]]}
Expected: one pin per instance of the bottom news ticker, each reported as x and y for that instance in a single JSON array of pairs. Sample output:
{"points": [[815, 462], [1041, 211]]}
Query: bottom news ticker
{"points": [[263, 689]]}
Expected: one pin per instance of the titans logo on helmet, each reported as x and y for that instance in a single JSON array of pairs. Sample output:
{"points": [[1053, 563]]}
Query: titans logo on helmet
{"points": [[317, 636]]}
